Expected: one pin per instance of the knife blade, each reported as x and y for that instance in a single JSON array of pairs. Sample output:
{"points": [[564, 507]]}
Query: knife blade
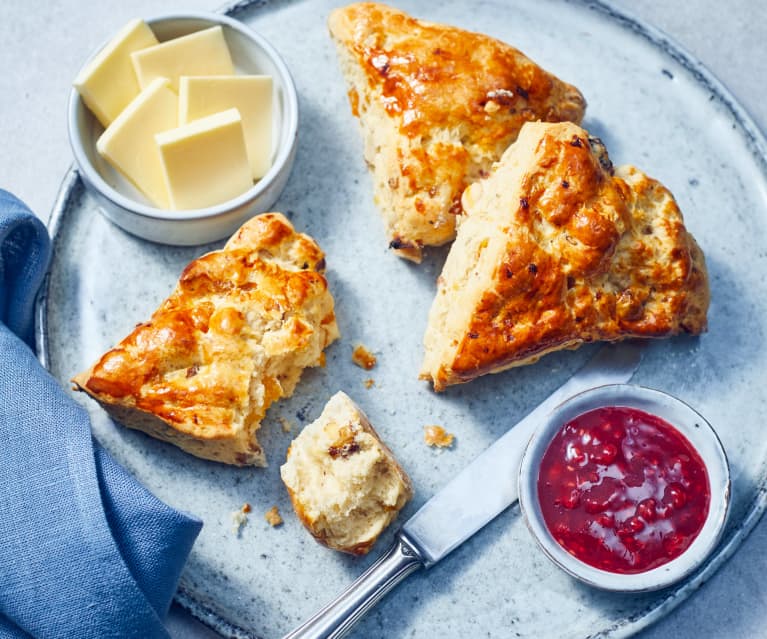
{"points": [[480, 492]]}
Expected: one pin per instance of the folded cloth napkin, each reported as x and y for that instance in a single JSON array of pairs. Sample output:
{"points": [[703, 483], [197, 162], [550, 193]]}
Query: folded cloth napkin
{"points": [[85, 550]]}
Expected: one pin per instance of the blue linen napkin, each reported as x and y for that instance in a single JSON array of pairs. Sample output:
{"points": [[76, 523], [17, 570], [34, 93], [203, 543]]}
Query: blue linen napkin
{"points": [[85, 550]]}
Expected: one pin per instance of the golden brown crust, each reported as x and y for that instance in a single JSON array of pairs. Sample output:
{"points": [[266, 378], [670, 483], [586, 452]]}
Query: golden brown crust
{"points": [[232, 338], [438, 105], [577, 253]]}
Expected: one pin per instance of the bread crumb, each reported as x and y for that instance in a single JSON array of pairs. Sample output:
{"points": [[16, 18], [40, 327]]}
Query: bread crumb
{"points": [[363, 358], [286, 425], [369, 383], [273, 517], [240, 518], [437, 437]]}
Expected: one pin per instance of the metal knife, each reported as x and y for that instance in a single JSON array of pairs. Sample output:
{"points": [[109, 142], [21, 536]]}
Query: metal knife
{"points": [[484, 489]]}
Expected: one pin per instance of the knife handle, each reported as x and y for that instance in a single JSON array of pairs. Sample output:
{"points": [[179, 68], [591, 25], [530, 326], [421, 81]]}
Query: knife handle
{"points": [[338, 617]]}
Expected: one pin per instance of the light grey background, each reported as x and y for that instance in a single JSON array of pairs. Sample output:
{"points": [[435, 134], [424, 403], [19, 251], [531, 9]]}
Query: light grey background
{"points": [[45, 43]]}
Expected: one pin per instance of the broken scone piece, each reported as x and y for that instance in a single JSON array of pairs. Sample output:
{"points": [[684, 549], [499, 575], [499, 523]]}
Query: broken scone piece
{"points": [[557, 248], [233, 337], [345, 485], [437, 105]]}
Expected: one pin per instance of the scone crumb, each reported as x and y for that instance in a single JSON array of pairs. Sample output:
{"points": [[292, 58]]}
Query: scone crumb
{"points": [[273, 517], [369, 383], [363, 358], [437, 437], [286, 425], [240, 518]]}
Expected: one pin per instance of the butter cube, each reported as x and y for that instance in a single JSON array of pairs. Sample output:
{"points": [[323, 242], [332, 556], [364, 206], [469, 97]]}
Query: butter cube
{"points": [[108, 82], [129, 144], [205, 162], [201, 53], [251, 95]]}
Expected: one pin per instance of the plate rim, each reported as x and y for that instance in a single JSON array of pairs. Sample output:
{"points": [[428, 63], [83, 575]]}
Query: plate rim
{"points": [[72, 187]]}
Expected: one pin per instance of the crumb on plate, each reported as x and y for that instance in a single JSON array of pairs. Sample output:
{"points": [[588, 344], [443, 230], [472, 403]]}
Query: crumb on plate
{"points": [[369, 383], [437, 437], [363, 358], [273, 517], [286, 425], [240, 518]]}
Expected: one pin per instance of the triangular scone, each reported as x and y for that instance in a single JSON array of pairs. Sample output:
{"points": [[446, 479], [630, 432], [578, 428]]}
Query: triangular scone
{"points": [[233, 337], [557, 249], [438, 105]]}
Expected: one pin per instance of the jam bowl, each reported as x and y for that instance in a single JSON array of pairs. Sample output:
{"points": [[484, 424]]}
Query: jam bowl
{"points": [[625, 488]]}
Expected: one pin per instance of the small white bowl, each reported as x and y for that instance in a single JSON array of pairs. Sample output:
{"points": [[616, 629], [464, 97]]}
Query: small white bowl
{"points": [[690, 424], [129, 209]]}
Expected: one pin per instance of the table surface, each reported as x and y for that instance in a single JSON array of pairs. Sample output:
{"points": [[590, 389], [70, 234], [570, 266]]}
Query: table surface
{"points": [[44, 47]]}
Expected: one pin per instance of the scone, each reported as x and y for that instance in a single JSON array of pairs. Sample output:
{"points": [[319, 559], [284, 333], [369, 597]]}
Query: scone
{"points": [[437, 105], [233, 337], [557, 248], [345, 485]]}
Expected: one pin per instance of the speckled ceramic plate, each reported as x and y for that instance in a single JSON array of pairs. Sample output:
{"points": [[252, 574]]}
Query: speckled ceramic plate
{"points": [[655, 107]]}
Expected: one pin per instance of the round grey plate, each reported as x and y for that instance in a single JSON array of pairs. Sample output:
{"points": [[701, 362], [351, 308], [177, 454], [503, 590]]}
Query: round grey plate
{"points": [[654, 107]]}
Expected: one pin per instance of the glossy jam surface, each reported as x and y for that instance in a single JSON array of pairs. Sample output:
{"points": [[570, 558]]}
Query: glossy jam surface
{"points": [[623, 490]]}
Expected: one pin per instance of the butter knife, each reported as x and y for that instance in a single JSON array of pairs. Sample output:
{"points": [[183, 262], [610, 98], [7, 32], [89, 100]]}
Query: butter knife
{"points": [[484, 489]]}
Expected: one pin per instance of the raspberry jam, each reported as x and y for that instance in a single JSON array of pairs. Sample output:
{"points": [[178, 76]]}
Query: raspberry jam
{"points": [[623, 490]]}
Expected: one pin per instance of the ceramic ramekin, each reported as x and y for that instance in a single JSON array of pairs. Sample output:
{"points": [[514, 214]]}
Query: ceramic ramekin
{"points": [[126, 207], [690, 424]]}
